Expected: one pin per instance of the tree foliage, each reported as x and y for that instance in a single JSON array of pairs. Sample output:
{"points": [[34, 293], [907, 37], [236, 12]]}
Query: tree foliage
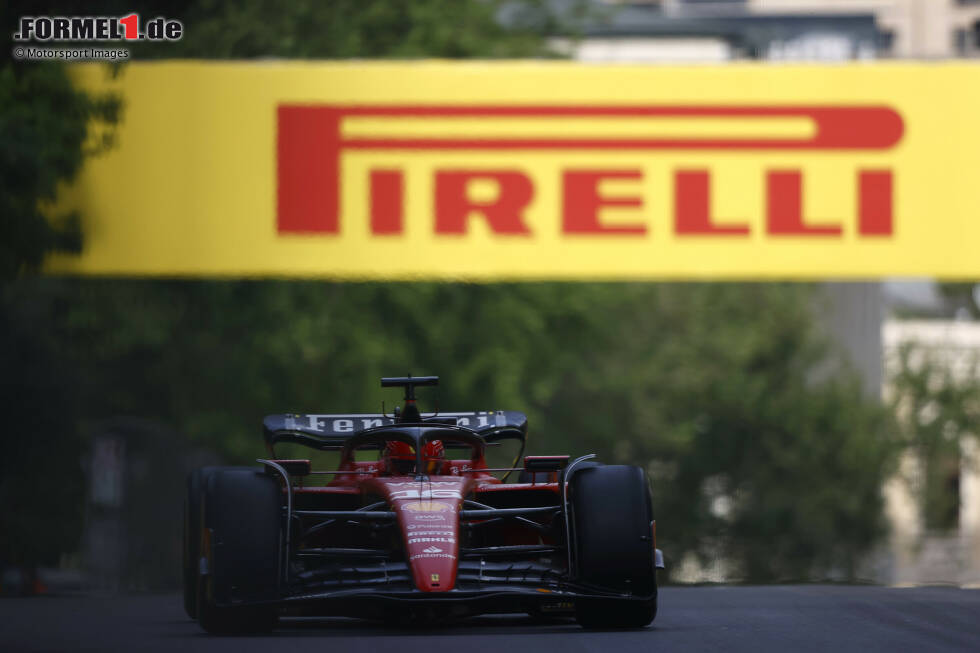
{"points": [[709, 386], [45, 128], [41, 482]]}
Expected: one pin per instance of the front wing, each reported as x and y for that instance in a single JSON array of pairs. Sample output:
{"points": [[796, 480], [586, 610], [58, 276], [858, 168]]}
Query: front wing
{"points": [[380, 589]]}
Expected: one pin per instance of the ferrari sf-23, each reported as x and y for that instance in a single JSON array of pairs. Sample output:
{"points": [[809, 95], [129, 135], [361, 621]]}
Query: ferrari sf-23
{"points": [[413, 524]]}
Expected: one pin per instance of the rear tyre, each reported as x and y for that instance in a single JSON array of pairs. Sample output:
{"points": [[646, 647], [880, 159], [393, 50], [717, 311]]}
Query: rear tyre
{"points": [[612, 513], [242, 510]]}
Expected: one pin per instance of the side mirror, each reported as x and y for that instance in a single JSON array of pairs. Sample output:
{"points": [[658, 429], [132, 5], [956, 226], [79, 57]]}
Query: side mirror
{"points": [[295, 467], [545, 463]]}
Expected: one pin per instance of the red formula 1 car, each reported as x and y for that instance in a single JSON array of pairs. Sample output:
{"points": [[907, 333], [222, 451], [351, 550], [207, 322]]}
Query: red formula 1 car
{"points": [[423, 530]]}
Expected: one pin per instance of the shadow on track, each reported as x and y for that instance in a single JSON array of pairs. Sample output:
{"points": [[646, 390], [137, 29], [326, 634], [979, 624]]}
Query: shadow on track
{"points": [[480, 625]]}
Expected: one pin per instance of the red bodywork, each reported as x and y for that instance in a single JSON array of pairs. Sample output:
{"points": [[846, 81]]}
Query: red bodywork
{"points": [[427, 511]]}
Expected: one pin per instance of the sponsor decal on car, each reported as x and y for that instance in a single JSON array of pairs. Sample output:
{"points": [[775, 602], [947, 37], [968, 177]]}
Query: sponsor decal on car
{"points": [[426, 494], [328, 423], [415, 484], [432, 555], [427, 506], [443, 533], [420, 540]]}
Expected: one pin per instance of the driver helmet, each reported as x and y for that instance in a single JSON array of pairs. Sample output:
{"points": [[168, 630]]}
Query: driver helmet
{"points": [[433, 454], [399, 457]]}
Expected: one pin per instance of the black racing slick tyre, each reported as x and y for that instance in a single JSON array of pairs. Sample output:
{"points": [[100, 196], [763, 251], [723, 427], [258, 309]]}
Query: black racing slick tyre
{"points": [[612, 513], [192, 534], [192, 540], [242, 514]]}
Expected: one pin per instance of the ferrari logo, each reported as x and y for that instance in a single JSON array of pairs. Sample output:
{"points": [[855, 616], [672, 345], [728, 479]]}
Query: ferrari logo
{"points": [[434, 578]]}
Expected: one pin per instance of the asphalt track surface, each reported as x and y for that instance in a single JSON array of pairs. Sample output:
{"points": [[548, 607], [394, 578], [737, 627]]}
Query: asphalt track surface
{"points": [[779, 618]]}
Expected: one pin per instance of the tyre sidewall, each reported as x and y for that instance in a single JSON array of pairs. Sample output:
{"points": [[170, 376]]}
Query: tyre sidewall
{"points": [[242, 508], [612, 513]]}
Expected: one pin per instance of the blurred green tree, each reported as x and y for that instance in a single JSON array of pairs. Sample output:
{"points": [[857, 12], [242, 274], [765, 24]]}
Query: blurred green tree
{"points": [[754, 458], [47, 128], [961, 297], [41, 480]]}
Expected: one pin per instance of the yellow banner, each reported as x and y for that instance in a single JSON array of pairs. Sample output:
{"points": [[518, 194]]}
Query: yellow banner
{"points": [[535, 170]]}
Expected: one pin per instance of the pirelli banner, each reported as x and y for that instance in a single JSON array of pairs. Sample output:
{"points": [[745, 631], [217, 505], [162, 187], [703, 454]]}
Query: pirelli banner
{"points": [[535, 170]]}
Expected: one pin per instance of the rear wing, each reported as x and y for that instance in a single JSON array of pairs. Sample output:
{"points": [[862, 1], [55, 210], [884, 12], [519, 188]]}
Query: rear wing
{"points": [[332, 431]]}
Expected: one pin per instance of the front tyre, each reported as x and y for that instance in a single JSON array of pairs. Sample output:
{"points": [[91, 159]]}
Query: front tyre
{"points": [[196, 482], [192, 540], [612, 513], [242, 512]]}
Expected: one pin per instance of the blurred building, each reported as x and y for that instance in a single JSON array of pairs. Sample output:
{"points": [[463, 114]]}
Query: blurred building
{"points": [[932, 543], [788, 30]]}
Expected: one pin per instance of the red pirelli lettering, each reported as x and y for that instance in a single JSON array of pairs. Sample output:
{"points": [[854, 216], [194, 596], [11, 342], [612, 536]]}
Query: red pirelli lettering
{"points": [[582, 202], [785, 207], [875, 202], [311, 142], [504, 214], [309, 169], [692, 206], [387, 201]]}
